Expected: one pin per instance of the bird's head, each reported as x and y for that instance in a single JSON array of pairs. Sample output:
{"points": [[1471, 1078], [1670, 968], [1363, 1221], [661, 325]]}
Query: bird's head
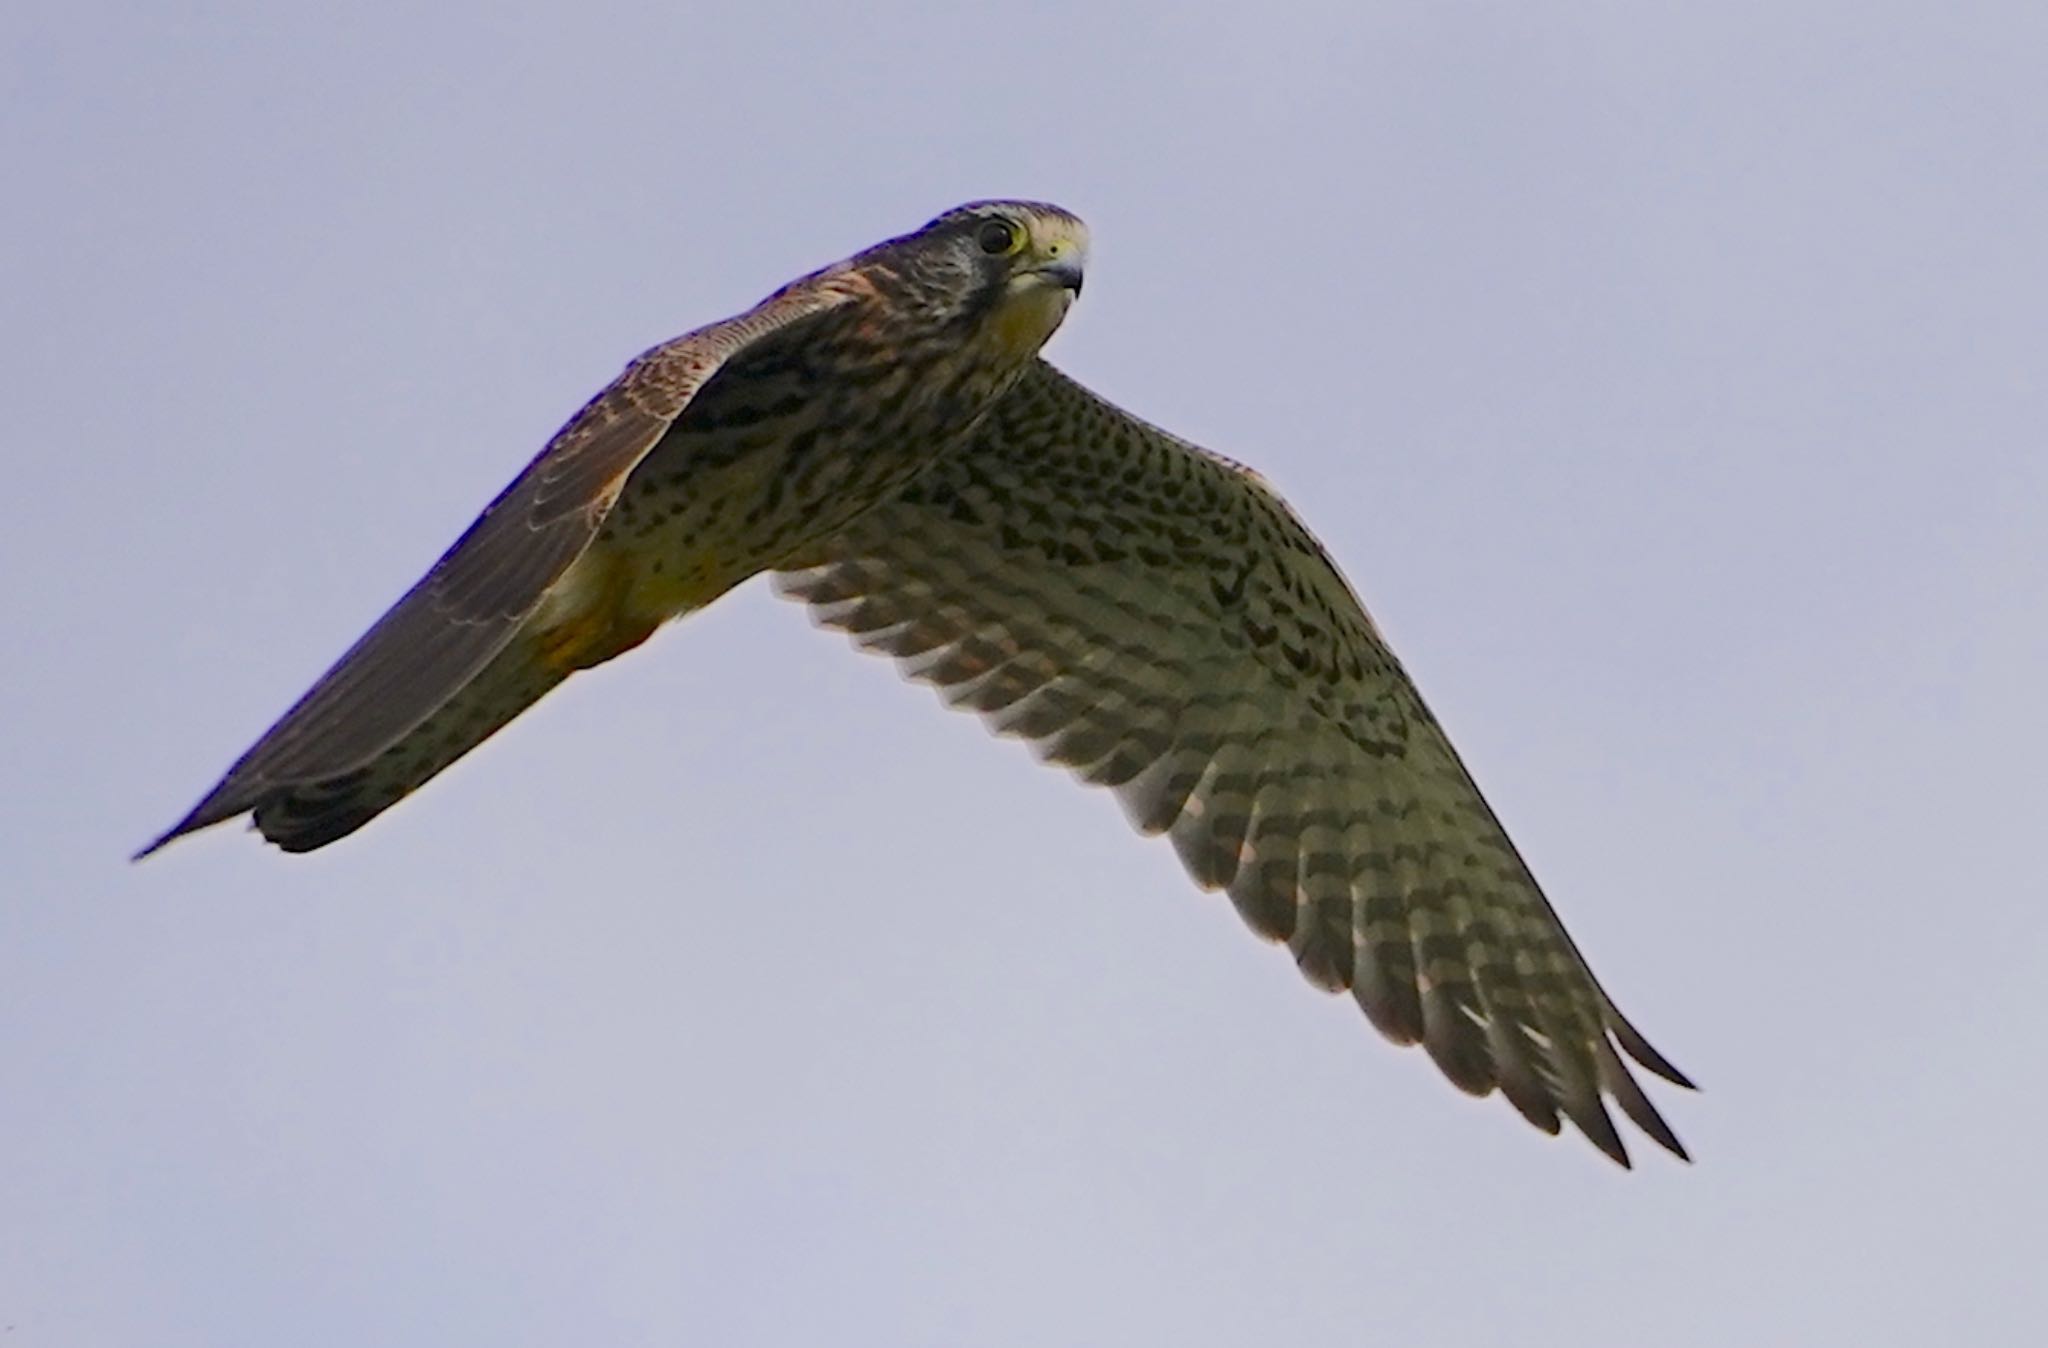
{"points": [[996, 272]]}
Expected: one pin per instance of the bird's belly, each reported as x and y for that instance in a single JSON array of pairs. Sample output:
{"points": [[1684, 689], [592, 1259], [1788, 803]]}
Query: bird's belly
{"points": [[761, 474]]}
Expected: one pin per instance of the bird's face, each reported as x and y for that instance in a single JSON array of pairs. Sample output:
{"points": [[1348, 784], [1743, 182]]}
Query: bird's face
{"points": [[1005, 270]]}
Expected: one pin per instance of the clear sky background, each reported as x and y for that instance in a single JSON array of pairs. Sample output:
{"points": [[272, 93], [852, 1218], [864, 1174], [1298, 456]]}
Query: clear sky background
{"points": [[1670, 379]]}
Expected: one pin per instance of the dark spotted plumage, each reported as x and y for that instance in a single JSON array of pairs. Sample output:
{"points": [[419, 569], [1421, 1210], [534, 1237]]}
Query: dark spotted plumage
{"points": [[1149, 615], [1156, 619]]}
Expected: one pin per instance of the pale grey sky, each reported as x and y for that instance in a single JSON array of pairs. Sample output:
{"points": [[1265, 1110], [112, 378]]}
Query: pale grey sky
{"points": [[1668, 378]]}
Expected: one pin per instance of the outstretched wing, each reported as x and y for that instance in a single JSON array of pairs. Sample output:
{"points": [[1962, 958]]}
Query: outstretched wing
{"points": [[463, 611], [1156, 619]]}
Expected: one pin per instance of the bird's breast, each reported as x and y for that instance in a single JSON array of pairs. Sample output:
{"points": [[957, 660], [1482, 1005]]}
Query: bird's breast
{"points": [[780, 459]]}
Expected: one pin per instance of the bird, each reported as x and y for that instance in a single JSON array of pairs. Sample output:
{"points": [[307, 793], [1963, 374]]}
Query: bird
{"points": [[883, 437]]}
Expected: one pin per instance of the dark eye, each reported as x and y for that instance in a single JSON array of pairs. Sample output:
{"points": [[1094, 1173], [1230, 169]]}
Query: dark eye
{"points": [[996, 237]]}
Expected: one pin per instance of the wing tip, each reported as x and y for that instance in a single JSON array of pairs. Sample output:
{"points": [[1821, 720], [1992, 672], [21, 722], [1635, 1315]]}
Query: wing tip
{"points": [[151, 849], [1632, 1042], [219, 806]]}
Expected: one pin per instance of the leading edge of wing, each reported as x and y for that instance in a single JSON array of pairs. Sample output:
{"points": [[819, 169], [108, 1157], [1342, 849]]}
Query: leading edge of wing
{"points": [[463, 611]]}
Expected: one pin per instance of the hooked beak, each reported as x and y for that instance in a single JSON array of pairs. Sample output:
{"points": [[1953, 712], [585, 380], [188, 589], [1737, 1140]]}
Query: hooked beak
{"points": [[1065, 272]]}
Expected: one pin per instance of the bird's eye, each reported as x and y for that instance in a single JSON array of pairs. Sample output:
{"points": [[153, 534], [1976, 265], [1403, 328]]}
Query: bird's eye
{"points": [[997, 237]]}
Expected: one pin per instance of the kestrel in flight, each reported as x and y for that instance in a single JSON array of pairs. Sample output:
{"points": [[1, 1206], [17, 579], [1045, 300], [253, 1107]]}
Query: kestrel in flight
{"points": [[883, 436]]}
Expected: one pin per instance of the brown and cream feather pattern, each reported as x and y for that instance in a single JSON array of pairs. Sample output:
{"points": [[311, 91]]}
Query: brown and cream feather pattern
{"points": [[881, 434]]}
